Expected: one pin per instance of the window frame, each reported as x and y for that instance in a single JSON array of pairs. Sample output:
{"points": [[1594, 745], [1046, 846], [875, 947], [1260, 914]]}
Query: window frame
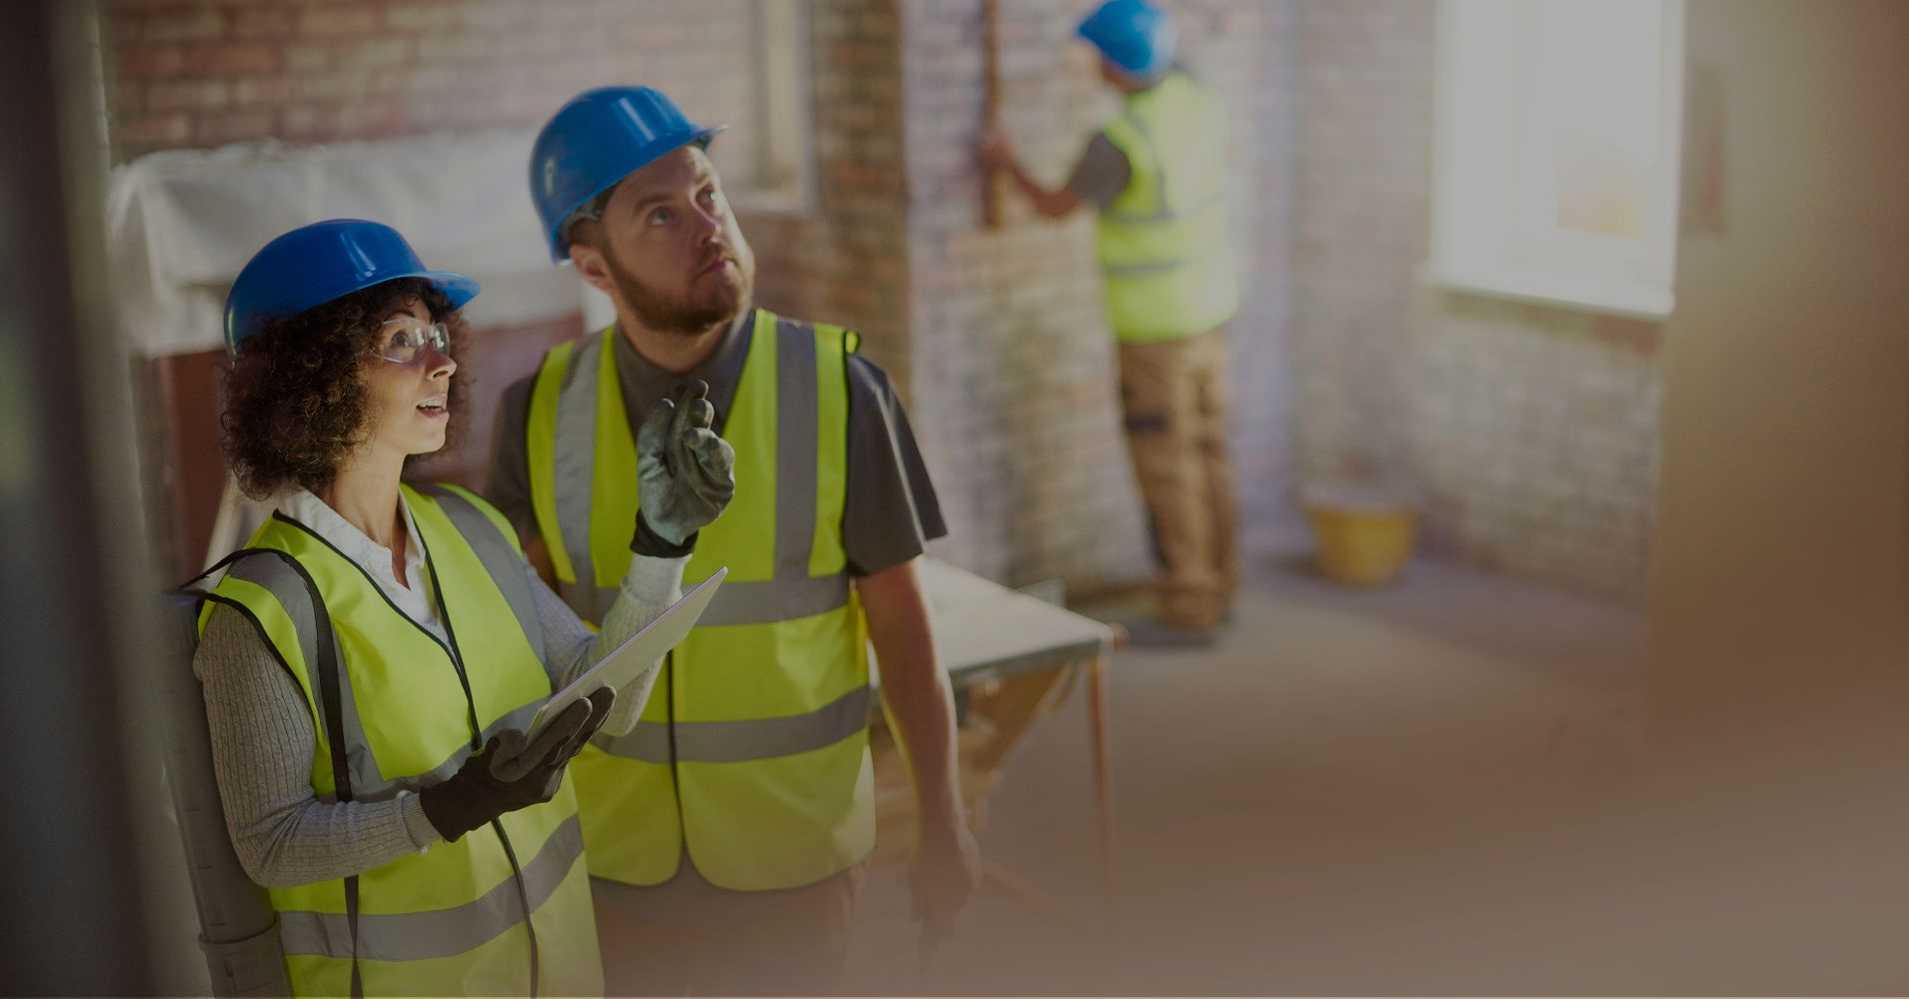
{"points": [[1488, 57], [782, 178]]}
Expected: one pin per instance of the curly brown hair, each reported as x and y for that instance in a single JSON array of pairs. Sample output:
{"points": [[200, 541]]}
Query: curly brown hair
{"points": [[295, 403]]}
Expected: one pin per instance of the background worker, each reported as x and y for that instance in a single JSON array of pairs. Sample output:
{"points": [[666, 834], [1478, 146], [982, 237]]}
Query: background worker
{"points": [[1154, 176], [728, 831]]}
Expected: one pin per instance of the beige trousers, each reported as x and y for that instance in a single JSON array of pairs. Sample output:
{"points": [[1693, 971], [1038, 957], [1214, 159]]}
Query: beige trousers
{"points": [[1175, 401]]}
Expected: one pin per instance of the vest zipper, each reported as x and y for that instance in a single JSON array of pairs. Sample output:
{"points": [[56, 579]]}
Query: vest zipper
{"points": [[477, 739], [523, 895], [675, 779]]}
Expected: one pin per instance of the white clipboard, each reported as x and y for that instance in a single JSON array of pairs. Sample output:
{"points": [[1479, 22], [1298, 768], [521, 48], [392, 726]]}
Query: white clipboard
{"points": [[637, 652]]}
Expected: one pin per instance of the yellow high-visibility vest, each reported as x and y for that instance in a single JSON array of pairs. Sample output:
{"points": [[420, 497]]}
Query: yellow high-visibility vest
{"points": [[1167, 266], [752, 753], [394, 708]]}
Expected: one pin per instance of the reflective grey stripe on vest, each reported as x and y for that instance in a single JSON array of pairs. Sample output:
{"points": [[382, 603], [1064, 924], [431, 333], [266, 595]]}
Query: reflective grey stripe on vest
{"points": [[421, 936], [506, 568], [797, 434], [792, 593], [575, 462], [762, 602], [1150, 267], [288, 588], [368, 782], [1164, 212], [738, 741]]}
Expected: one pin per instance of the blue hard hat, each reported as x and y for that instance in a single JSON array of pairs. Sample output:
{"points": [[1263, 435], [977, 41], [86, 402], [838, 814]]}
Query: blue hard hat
{"points": [[600, 137], [321, 262], [1133, 34]]}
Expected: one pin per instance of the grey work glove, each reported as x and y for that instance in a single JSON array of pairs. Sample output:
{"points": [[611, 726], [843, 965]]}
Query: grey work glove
{"points": [[685, 472], [508, 775]]}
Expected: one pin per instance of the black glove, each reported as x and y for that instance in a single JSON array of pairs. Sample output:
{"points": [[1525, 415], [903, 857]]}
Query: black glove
{"points": [[508, 775]]}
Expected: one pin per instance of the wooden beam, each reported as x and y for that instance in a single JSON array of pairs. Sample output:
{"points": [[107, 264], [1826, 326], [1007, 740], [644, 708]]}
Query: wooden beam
{"points": [[990, 106]]}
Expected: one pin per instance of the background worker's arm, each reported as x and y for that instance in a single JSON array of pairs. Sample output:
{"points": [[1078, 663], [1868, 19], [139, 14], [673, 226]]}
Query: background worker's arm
{"points": [[920, 705], [1099, 175], [890, 513], [1054, 203]]}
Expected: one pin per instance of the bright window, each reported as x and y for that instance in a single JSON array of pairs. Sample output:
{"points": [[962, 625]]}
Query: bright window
{"points": [[779, 174], [1557, 149]]}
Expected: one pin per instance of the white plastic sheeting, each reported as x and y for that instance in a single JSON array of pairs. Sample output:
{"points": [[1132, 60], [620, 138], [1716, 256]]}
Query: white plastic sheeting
{"points": [[182, 223]]}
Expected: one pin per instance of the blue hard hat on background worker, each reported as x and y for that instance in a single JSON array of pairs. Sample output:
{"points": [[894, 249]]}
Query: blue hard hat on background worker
{"points": [[1133, 35], [600, 137], [323, 262]]}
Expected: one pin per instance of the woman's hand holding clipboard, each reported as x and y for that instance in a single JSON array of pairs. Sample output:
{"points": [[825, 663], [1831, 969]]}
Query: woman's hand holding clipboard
{"points": [[637, 653]]}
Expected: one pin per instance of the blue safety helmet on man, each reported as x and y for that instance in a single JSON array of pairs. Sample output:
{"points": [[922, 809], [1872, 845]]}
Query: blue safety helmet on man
{"points": [[323, 262], [1133, 35], [600, 137]]}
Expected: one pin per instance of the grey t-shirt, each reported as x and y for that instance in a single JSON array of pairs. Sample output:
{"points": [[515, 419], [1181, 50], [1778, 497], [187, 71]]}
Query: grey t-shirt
{"points": [[890, 511], [1101, 173]]}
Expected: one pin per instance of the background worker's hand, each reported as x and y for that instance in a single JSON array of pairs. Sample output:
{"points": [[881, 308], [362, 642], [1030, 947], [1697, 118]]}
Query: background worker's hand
{"points": [[997, 153], [509, 774], [947, 868], [685, 472]]}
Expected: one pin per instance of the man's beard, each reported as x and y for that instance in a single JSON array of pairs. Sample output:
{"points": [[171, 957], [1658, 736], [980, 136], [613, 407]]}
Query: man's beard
{"points": [[677, 314]]}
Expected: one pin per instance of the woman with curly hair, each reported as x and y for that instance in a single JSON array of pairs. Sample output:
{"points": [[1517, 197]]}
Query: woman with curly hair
{"points": [[371, 658]]}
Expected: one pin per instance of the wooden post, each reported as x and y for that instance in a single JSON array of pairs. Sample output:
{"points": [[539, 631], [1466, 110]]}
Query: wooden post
{"points": [[1103, 766], [990, 106]]}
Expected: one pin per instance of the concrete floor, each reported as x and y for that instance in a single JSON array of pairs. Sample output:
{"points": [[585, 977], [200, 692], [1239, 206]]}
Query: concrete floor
{"points": [[1322, 802]]}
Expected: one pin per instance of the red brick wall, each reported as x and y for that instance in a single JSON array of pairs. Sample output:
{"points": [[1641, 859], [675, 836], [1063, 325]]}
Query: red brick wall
{"points": [[200, 73], [847, 261]]}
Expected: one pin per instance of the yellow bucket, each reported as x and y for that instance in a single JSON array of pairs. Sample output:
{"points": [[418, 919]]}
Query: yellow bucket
{"points": [[1364, 538]]}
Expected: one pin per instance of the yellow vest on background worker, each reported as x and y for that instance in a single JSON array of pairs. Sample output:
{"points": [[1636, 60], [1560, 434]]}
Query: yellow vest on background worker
{"points": [[752, 753], [395, 708], [1165, 257]]}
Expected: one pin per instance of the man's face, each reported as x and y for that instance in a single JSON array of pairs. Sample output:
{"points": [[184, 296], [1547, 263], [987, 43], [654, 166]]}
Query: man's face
{"points": [[668, 249]]}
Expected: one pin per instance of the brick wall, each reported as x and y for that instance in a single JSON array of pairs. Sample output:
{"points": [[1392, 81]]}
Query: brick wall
{"points": [[1014, 389], [192, 74], [847, 262], [1531, 431], [995, 338], [1261, 38]]}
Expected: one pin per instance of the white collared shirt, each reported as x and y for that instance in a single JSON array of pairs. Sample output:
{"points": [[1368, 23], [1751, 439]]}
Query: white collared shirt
{"points": [[414, 596]]}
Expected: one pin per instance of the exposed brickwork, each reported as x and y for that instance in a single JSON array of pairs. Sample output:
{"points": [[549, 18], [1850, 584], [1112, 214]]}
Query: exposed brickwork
{"points": [[326, 71], [1015, 389], [1530, 431], [201, 74], [995, 338], [847, 261]]}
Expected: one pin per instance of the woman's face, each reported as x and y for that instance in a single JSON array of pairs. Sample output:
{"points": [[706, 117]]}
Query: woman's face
{"points": [[407, 377]]}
